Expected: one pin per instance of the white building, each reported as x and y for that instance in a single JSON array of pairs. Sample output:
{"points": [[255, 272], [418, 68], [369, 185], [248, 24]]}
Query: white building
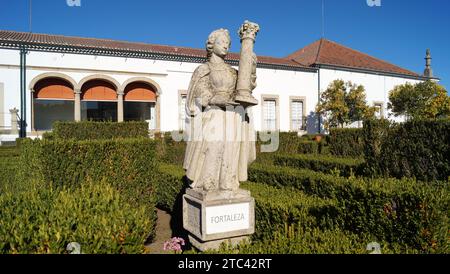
{"points": [[73, 78]]}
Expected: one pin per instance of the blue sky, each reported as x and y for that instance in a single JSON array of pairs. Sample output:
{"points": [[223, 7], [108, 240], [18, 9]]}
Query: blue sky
{"points": [[399, 31]]}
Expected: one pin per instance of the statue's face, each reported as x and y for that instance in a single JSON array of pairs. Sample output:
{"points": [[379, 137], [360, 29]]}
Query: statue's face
{"points": [[221, 45]]}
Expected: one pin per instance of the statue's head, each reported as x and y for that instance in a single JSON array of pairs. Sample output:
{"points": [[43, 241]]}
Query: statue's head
{"points": [[219, 42]]}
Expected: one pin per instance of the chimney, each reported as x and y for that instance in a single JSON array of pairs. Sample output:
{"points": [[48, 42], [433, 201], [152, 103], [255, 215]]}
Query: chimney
{"points": [[428, 71]]}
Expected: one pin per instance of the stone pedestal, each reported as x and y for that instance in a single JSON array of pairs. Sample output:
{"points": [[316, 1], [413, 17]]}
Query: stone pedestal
{"points": [[14, 121], [212, 218]]}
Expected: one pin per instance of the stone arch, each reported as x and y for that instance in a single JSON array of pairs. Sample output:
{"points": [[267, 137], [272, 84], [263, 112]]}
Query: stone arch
{"points": [[52, 75], [144, 80], [103, 77]]}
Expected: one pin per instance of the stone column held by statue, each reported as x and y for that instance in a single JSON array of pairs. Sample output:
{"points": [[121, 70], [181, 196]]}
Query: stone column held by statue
{"points": [[247, 33]]}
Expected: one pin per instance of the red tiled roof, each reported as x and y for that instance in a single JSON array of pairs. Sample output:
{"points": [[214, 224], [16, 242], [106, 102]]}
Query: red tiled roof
{"points": [[325, 52], [106, 44]]}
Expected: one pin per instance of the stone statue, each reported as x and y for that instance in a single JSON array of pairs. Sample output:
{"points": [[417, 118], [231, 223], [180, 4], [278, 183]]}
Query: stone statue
{"points": [[221, 135]]}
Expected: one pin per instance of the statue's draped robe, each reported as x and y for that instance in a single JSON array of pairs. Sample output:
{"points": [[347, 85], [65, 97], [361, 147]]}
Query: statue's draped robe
{"points": [[221, 143]]}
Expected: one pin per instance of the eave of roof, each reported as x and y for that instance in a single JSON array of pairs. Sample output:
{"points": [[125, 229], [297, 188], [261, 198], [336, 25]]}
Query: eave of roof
{"points": [[331, 54], [69, 44]]}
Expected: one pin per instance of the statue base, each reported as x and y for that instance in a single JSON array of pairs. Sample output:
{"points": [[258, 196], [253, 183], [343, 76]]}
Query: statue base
{"points": [[213, 218]]}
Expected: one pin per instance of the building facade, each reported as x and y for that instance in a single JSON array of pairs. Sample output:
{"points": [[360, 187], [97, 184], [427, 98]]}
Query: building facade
{"points": [[46, 78]]}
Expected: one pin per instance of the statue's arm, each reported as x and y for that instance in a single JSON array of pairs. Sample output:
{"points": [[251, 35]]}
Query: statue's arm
{"points": [[199, 91], [203, 91]]}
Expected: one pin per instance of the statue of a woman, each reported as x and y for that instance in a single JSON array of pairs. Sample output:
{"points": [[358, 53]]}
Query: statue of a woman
{"points": [[221, 136]]}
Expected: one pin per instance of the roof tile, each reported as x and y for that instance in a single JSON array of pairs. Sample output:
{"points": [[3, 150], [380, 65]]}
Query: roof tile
{"points": [[326, 52]]}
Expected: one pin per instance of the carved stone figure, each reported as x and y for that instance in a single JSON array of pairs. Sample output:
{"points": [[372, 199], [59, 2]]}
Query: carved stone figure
{"points": [[222, 138]]}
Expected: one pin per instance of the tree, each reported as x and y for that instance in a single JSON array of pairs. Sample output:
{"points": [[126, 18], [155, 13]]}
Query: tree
{"points": [[438, 105], [356, 102], [333, 106], [423, 100], [403, 101], [344, 103]]}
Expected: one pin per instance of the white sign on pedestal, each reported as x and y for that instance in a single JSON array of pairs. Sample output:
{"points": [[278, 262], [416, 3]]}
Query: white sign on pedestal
{"points": [[227, 218]]}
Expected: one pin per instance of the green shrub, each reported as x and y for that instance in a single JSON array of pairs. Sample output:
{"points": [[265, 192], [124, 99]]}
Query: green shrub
{"points": [[88, 130], [416, 149], [50, 136], [403, 211], [42, 220], [170, 151], [298, 240], [170, 184], [374, 132], [290, 142], [8, 152], [323, 163], [346, 142], [127, 164], [9, 163], [276, 207], [308, 147]]}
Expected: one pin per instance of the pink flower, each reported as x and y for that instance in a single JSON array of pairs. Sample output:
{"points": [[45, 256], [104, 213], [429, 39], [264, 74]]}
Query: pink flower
{"points": [[174, 244]]}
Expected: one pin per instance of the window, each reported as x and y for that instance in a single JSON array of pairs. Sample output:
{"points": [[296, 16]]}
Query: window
{"points": [[49, 111], [379, 112], [99, 101], [99, 111], [269, 115], [140, 103], [53, 100], [297, 123], [182, 111]]}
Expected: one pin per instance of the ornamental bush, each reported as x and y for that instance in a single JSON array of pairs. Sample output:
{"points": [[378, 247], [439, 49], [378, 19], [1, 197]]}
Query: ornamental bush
{"points": [[170, 186], [88, 130], [129, 165], [416, 149], [43, 220], [168, 150], [403, 211], [323, 163], [275, 207], [346, 142], [9, 164]]}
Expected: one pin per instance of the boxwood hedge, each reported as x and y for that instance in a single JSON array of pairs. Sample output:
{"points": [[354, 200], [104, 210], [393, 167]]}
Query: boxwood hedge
{"points": [[129, 165], [43, 220], [323, 163], [89, 130], [403, 211], [346, 142]]}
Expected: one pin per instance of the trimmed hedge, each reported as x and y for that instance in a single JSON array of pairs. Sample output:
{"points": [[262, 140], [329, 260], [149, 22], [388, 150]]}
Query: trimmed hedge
{"points": [[276, 208], [9, 164], [170, 184], [88, 130], [323, 163], [417, 149], [308, 147], [168, 150], [401, 211], [297, 240], [290, 142], [42, 220], [374, 132], [346, 142], [129, 165]]}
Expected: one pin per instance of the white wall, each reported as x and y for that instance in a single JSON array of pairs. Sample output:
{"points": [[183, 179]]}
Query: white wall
{"points": [[284, 84], [172, 77], [377, 86]]}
